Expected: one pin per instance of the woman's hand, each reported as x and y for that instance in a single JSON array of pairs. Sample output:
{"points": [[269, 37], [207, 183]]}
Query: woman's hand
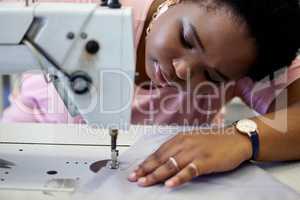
{"points": [[189, 155]]}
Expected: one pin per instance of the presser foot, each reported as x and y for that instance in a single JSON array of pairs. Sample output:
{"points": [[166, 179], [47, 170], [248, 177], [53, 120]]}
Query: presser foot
{"points": [[114, 163]]}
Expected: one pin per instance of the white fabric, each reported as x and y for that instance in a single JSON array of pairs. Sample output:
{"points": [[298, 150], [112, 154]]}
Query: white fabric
{"points": [[248, 182]]}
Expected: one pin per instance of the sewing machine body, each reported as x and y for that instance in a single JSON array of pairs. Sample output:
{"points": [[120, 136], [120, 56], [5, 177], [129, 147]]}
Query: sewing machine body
{"points": [[53, 158], [86, 50]]}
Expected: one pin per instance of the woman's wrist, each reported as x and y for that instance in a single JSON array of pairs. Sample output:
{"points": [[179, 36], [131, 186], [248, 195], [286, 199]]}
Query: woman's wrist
{"points": [[243, 142]]}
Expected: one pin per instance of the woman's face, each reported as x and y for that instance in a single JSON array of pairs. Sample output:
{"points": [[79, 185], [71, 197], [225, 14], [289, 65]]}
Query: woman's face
{"points": [[190, 42]]}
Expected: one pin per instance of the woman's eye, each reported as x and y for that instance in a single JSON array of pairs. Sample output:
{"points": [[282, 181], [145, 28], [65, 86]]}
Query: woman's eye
{"points": [[185, 42]]}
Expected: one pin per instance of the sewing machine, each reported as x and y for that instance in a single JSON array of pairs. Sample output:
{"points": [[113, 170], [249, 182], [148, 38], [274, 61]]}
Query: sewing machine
{"points": [[85, 50], [82, 49]]}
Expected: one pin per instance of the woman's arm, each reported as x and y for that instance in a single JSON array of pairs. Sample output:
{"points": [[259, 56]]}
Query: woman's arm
{"points": [[203, 152], [280, 130]]}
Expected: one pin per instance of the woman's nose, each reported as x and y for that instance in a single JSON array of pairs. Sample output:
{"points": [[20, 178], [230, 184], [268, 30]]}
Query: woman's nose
{"points": [[182, 69]]}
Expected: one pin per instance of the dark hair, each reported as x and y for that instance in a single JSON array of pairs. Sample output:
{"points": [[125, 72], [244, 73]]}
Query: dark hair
{"points": [[275, 26]]}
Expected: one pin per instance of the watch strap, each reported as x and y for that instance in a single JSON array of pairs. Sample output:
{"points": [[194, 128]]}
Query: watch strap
{"points": [[255, 144], [254, 139]]}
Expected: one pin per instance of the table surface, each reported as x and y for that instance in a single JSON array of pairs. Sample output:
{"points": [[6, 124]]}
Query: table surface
{"points": [[287, 173]]}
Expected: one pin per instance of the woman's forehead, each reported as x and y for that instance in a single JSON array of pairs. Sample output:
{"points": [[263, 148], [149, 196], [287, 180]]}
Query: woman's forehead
{"points": [[226, 39]]}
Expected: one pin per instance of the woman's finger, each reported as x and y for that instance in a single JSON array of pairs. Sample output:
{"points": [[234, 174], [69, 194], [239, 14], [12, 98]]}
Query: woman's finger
{"points": [[155, 160], [165, 171], [171, 167], [192, 170]]}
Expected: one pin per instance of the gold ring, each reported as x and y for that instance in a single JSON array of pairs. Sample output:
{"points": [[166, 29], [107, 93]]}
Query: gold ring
{"points": [[195, 168], [174, 162]]}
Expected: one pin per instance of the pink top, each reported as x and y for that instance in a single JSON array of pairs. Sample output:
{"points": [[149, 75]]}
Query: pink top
{"points": [[38, 101]]}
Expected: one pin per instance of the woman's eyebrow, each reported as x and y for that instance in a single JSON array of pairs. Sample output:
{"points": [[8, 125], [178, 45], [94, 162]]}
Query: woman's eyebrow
{"points": [[196, 36]]}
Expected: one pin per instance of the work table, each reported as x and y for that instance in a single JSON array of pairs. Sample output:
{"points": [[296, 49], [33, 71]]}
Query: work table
{"points": [[75, 145]]}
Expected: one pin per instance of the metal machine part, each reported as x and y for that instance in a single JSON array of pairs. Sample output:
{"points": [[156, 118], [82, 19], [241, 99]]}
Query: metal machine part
{"points": [[5, 164], [114, 4], [80, 82], [65, 157], [81, 55], [114, 163]]}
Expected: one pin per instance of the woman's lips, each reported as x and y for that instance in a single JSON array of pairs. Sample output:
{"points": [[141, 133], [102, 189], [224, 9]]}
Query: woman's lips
{"points": [[160, 75]]}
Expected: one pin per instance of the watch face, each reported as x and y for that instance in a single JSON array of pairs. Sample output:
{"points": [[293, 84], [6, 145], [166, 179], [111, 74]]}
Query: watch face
{"points": [[246, 126]]}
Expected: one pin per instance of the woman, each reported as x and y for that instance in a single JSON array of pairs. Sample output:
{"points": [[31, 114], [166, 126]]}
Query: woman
{"points": [[200, 54]]}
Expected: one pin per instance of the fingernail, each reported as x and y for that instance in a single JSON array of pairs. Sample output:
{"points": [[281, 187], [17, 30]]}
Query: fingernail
{"points": [[132, 177], [142, 181], [170, 183]]}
